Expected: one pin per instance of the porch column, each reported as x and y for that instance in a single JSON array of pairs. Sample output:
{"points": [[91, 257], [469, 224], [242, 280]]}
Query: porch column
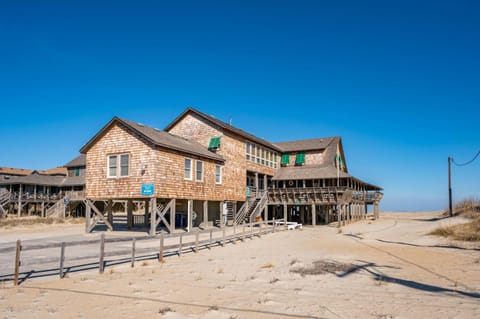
{"points": [[205, 213], [256, 181], [314, 215], [285, 215], [35, 192]]}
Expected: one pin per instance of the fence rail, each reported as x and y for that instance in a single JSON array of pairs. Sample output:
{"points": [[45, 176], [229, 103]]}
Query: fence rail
{"points": [[137, 248]]}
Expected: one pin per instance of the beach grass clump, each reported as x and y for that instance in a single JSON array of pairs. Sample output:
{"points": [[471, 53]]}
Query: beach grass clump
{"points": [[469, 231], [35, 220], [320, 267]]}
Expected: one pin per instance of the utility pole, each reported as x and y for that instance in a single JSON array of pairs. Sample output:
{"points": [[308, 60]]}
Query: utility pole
{"points": [[450, 210]]}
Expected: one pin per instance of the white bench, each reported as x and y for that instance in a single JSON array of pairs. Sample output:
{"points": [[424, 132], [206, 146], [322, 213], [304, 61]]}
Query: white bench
{"points": [[290, 225]]}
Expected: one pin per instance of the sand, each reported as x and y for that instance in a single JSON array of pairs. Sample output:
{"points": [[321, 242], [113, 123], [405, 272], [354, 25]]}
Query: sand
{"points": [[389, 268]]}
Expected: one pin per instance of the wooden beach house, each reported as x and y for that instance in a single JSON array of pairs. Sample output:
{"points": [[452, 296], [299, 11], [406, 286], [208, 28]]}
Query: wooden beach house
{"points": [[200, 171]]}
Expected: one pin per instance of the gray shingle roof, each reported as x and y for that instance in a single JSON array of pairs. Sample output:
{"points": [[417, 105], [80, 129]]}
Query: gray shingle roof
{"points": [[78, 161], [158, 138], [224, 126], [45, 180], [307, 145]]}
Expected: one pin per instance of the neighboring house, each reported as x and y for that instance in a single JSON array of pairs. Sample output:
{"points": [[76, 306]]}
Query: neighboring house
{"points": [[43, 192], [214, 173]]}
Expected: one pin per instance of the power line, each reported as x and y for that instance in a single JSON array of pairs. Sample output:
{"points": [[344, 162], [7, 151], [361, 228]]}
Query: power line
{"points": [[466, 163]]}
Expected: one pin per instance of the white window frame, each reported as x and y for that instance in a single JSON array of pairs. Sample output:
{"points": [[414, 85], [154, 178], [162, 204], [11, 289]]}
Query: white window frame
{"points": [[219, 176], [118, 165], [185, 169], [197, 171]]}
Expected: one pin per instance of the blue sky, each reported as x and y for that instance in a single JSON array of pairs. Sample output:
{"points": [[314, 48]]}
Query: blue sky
{"points": [[398, 80]]}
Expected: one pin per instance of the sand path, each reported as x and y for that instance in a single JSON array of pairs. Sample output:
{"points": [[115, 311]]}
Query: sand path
{"points": [[398, 272]]}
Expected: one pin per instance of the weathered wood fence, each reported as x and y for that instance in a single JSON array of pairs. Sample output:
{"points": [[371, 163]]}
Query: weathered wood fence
{"points": [[186, 242]]}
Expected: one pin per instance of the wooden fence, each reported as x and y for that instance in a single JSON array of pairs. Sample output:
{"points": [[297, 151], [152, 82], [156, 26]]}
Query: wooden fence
{"points": [[186, 242]]}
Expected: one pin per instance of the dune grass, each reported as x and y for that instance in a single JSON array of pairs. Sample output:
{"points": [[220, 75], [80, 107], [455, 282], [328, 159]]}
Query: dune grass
{"points": [[468, 208], [26, 221]]}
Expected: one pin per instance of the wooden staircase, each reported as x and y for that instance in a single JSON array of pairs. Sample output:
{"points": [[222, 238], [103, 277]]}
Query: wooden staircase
{"points": [[5, 198], [251, 209], [57, 210]]}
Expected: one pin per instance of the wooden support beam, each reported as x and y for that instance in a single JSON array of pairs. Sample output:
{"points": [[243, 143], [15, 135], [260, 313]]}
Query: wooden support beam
{"points": [[162, 249], [101, 261], [62, 260], [91, 224], [17, 263], [19, 205], [172, 215]]}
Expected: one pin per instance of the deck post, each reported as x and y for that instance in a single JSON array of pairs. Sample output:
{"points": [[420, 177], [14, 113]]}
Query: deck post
{"points": [[285, 213]]}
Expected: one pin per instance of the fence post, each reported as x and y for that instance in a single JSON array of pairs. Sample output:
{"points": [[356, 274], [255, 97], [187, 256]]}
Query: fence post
{"points": [[180, 246], [251, 230], [133, 252], [160, 252], [223, 237], [196, 241], [211, 235], [17, 262], [101, 262], [62, 259]]}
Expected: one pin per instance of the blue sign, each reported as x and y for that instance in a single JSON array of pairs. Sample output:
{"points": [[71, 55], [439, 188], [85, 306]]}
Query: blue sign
{"points": [[148, 189]]}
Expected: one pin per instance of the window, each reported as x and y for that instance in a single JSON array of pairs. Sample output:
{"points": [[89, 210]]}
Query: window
{"points": [[199, 171], [214, 143], [218, 174], [263, 156], [275, 160], [285, 159], [259, 155], [300, 159], [248, 151], [77, 171], [253, 153], [188, 169], [118, 165]]}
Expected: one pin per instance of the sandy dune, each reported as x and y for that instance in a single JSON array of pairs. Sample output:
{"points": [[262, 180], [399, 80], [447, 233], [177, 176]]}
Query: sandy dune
{"points": [[387, 268]]}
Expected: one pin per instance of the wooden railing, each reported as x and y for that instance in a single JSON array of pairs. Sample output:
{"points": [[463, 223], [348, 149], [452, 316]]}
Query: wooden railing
{"points": [[31, 259], [308, 195]]}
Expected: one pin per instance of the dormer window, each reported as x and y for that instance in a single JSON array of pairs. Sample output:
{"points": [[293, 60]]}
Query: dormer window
{"points": [[300, 159], [285, 159], [214, 144]]}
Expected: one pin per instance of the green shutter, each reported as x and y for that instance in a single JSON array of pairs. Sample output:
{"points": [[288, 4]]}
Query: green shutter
{"points": [[285, 159], [300, 159], [214, 143]]}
